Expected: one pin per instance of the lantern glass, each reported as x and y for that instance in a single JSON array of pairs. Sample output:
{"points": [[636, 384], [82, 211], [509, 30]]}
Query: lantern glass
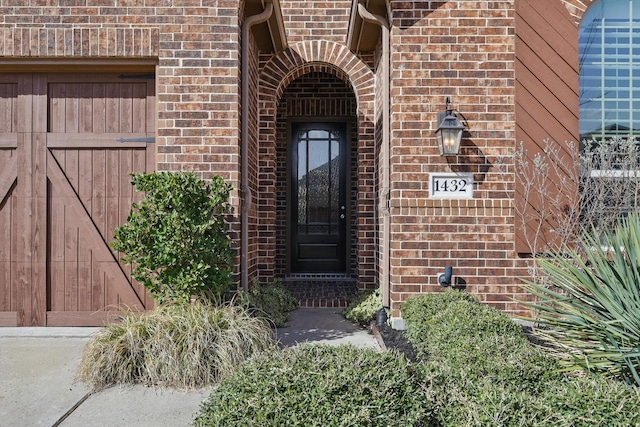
{"points": [[449, 135]]}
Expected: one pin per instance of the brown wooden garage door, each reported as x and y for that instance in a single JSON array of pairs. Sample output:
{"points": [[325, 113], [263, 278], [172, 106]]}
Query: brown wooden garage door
{"points": [[68, 144]]}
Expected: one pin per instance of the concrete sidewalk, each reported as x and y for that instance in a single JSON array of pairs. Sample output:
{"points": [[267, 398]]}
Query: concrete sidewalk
{"points": [[37, 369]]}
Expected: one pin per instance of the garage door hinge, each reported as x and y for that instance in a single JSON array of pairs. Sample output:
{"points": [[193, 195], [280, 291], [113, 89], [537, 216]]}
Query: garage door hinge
{"points": [[147, 139]]}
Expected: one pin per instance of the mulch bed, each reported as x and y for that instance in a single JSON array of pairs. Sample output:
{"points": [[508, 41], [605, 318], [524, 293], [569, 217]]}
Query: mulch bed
{"points": [[395, 339]]}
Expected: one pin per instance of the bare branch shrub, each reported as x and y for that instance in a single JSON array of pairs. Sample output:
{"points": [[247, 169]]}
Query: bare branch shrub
{"points": [[566, 190]]}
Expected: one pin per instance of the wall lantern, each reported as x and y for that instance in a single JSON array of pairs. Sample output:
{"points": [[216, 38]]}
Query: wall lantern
{"points": [[449, 131]]}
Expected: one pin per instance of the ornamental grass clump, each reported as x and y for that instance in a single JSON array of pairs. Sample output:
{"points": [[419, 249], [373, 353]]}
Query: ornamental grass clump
{"points": [[589, 306], [182, 346], [319, 385]]}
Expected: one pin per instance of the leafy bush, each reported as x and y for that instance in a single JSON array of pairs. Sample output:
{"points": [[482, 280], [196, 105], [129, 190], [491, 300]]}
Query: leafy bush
{"points": [[319, 385], [479, 370], [272, 301], [563, 401], [175, 237], [364, 307], [453, 328], [592, 312], [183, 345]]}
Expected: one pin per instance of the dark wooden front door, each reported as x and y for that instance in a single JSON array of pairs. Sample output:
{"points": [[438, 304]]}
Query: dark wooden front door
{"points": [[318, 198]]}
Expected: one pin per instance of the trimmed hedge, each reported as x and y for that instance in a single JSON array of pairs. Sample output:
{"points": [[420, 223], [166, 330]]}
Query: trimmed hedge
{"points": [[482, 371], [319, 385], [476, 368]]}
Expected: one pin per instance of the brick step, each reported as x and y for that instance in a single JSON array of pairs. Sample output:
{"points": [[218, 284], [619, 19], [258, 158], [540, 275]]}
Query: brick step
{"points": [[325, 292]]}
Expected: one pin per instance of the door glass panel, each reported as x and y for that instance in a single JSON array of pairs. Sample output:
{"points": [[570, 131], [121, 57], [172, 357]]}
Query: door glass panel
{"points": [[302, 182], [318, 179]]}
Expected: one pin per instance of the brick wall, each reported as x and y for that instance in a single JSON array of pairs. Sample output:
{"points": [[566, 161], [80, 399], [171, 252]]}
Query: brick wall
{"points": [[464, 50], [316, 20]]}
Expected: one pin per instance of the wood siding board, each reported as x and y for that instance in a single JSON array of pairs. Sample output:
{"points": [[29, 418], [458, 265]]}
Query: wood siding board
{"points": [[112, 108], [139, 108], [546, 89], [112, 173], [539, 52], [150, 105], [8, 140], [85, 178], [557, 26], [8, 172], [85, 285], [99, 108], [98, 301], [99, 196], [71, 108], [550, 101], [22, 224], [70, 168], [84, 318], [8, 318], [546, 115], [85, 107], [6, 276], [57, 118], [39, 220], [126, 108], [88, 140], [8, 95]]}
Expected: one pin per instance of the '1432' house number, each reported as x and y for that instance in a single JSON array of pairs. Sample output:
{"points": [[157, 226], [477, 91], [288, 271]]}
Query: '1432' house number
{"points": [[451, 186]]}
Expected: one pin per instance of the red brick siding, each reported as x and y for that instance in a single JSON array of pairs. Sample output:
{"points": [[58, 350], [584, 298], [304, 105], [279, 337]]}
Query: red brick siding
{"points": [[464, 50], [316, 20]]}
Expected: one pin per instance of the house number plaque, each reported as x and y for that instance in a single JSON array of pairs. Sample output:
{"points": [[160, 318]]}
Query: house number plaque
{"points": [[451, 186]]}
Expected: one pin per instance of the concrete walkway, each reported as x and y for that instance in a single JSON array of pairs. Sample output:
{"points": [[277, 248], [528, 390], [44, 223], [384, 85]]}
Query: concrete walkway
{"points": [[37, 369]]}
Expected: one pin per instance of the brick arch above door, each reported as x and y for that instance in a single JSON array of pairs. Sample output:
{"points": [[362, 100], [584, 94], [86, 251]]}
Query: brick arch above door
{"points": [[302, 58], [275, 77]]}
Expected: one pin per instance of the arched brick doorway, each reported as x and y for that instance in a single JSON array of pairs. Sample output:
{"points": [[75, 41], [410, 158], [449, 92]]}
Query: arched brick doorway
{"points": [[308, 83]]}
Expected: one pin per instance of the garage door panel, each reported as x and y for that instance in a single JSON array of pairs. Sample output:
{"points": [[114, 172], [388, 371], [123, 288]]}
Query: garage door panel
{"points": [[99, 107], [8, 200], [68, 144], [85, 251]]}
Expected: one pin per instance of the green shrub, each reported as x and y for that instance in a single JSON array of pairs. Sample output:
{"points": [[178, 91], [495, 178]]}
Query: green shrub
{"points": [[480, 370], [183, 346], [453, 328], [175, 238], [319, 385], [272, 301], [364, 307], [563, 401], [592, 311]]}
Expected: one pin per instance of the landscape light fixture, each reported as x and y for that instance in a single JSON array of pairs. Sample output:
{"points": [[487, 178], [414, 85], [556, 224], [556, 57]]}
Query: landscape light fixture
{"points": [[449, 131], [444, 280]]}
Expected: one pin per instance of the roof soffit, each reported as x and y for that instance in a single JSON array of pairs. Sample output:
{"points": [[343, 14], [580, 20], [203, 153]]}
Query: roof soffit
{"points": [[363, 36], [270, 35]]}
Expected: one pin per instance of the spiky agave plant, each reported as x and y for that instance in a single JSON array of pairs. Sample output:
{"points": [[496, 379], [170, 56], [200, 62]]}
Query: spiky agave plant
{"points": [[590, 306]]}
